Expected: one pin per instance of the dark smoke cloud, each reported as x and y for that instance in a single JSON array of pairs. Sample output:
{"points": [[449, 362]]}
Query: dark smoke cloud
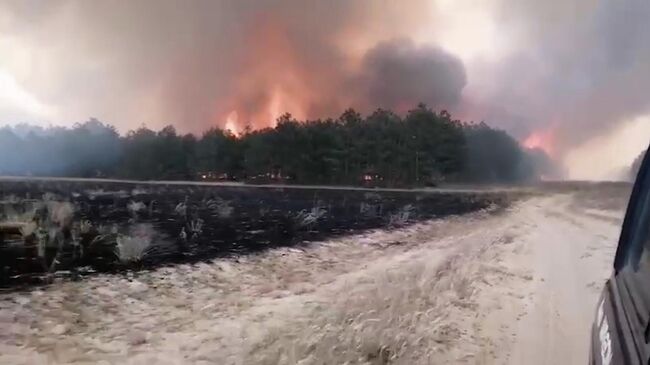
{"points": [[398, 75], [577, 67], [192, 63]]}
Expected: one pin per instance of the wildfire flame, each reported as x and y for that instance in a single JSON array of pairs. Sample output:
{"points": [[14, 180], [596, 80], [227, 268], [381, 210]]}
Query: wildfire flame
{"points": [[543, 140], [231, 123], [273, 81]]}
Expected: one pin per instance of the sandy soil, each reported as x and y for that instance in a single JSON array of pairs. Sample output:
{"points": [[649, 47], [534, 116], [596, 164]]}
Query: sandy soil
{"points": [[514, 287]]}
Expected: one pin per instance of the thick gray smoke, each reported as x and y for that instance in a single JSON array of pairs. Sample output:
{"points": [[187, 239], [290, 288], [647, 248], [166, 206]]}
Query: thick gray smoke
{"points": [[575, 68], [83, 151], [398, 75], [194, 63], [581, 68]]}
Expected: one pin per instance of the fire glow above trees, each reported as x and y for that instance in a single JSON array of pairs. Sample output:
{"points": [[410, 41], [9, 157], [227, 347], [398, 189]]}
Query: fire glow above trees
{"points": [[206, 63], [418, 148], [541, 139]]}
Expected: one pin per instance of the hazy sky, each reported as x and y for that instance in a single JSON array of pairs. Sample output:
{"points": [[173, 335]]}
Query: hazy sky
{"points": [[570, 76]]}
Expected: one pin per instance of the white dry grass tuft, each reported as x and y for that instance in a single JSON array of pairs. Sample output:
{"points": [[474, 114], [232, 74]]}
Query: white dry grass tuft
{"points": [[133, 247], [28, 229], [134, 207], [130, 249], [221, 208], [11, 215], [85, 226], [397, 311], [11, 199], [401, 217], [181, 208], [196, 227], [225, 211], [307, 218], [60, 213]]}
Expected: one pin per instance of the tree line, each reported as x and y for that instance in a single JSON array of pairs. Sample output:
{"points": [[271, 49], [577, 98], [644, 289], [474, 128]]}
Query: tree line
{"points": [[423, 147]]}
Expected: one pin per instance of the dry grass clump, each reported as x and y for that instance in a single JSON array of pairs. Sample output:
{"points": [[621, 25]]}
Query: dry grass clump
{"points": [[133, 247], [40, 225], [220, 208], [391, 315], [401, 217], [44, 232], [130, 249], [306, 218], [396, 296]]}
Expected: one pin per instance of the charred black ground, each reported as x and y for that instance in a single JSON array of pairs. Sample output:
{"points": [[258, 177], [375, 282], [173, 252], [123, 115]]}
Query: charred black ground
{"points": [[190, 223]]}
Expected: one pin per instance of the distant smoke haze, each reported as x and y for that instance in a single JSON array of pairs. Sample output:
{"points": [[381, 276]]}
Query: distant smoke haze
{"points": [[565, 71], [581, 68]]}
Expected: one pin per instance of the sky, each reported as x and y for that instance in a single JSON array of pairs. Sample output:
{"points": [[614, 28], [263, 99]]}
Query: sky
{"points": [[571, 77]]}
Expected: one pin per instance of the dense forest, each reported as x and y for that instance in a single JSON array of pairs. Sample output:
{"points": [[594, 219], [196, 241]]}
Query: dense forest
{"points": [[423, 147]]}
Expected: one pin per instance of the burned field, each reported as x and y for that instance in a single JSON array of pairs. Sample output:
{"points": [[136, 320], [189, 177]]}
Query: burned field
{"points": [[72, 228]]}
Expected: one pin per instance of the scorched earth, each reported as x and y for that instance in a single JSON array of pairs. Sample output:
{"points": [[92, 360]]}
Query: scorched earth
{"points": [[513, 286]]}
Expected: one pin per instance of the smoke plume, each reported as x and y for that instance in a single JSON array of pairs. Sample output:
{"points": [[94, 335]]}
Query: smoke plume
{"points": [[397, 75], [579, 69], [203, 63], [555, 74]]}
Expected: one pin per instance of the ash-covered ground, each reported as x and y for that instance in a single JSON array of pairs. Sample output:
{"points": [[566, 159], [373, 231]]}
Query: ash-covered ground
{"points": [[515, 284], [51, 228]]}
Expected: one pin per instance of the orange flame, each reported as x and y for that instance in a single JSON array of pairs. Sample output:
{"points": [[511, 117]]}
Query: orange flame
{"points": [[275, 81], [231, 123], [543, 140]]}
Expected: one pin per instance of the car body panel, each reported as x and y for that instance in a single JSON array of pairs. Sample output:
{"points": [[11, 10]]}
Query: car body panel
{"points": [[621, 329], [612, 339]]}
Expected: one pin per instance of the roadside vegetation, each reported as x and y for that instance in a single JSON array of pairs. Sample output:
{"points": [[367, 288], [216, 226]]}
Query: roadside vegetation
{"points": [[423, 147]]}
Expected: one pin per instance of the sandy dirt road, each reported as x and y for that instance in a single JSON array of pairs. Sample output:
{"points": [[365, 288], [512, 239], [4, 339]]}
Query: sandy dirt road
{"points": [[570, 255], [515, 287]]}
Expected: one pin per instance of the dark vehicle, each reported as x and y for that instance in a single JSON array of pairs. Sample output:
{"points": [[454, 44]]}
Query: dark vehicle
{"points": [[621, 331]]}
